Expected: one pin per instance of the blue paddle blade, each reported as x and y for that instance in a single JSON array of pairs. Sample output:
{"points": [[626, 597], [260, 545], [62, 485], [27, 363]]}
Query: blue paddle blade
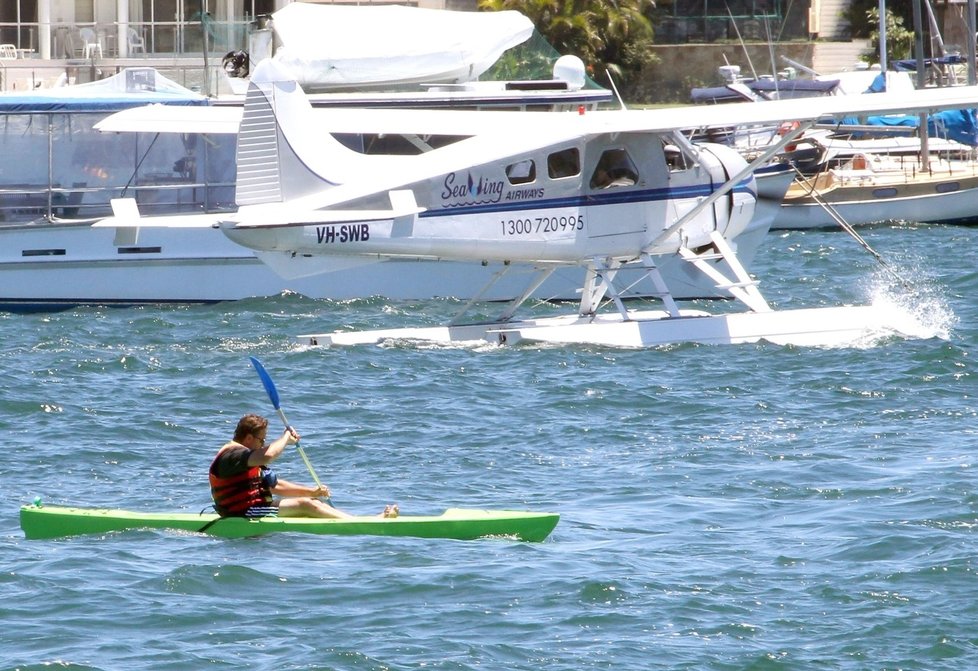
{"points": [[267, 381]]}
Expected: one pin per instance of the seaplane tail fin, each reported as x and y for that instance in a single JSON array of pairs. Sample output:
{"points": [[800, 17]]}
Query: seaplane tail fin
{"points": [[281, 153]]}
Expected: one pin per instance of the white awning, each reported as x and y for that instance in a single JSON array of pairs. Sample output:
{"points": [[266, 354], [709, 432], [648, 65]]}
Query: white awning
{"points": [[336, 46]]}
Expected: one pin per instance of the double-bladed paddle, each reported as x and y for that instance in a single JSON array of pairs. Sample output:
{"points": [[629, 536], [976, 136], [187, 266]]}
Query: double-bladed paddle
{"points": [[266, 380]]}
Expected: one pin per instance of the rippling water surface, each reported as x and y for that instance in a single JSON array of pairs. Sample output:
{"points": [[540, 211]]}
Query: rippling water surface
{"points": [[747, 507]]}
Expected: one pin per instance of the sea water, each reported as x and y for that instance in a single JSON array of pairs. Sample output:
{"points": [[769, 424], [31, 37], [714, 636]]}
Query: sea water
{"points": [[722, 507]]}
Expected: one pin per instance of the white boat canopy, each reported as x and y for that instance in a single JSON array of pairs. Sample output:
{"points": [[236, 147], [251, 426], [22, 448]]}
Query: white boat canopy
{"points": [[126, 89], [335, 46]]}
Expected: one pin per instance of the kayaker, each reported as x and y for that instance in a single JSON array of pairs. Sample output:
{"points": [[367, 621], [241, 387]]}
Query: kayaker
{"points": [[242, 484]]}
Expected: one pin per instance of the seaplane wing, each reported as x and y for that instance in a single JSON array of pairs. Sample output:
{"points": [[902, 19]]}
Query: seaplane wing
{"points": [[606, 191], [226, 118], [776, 111]]}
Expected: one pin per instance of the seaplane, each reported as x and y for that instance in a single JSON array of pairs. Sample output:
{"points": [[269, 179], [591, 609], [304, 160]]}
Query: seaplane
{"points": [[606, 191]]}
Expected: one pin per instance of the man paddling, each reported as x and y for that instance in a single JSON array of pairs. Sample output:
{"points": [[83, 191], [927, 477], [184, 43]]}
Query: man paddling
{"points": [[243, 485]]}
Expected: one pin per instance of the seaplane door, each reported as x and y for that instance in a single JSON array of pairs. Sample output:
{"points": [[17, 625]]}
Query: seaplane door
{"points": [[625, 185]]}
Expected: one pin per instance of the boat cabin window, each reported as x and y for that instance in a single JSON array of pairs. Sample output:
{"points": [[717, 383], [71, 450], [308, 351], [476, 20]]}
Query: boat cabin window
{"points": [[564, 163], [614, 168], [523, 172]]}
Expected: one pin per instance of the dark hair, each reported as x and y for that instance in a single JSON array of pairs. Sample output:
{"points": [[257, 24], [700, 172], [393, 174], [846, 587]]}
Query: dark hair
{"points": [[250, 425]]}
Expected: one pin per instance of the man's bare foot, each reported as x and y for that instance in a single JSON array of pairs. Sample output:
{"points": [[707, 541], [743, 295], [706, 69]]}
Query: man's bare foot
{"points": [[391, 510]]}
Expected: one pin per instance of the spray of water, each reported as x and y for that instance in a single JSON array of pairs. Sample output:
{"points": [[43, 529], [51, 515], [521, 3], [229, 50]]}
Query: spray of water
{"points": [[914, 303]]}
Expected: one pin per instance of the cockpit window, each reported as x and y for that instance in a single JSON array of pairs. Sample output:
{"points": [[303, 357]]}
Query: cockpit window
{"points": [[564, 163], [523, 172], [614, 168]]}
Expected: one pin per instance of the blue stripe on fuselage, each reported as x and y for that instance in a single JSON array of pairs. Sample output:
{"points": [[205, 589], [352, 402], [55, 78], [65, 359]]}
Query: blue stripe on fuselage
{"points": [[610, 197]]}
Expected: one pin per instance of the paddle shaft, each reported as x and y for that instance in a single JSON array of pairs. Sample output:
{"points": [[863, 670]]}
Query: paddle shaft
{"points": [[269, 385], [302, 452]]}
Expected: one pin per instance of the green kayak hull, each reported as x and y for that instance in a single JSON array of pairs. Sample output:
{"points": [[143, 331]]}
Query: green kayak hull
{"points": [[458, 523]]}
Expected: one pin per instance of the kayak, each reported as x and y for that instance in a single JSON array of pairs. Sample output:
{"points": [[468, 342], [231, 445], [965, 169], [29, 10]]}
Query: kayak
{"points": [[462, 524]]}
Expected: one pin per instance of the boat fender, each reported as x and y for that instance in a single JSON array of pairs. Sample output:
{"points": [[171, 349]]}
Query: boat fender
{"points": [[787, 127]]}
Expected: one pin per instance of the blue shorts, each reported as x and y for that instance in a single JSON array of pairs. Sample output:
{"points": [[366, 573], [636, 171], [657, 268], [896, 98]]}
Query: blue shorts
{"points": [[261, 511]]}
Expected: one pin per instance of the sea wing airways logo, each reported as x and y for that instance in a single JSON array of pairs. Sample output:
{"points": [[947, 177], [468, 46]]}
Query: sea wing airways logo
{"points": [[459, 191]]}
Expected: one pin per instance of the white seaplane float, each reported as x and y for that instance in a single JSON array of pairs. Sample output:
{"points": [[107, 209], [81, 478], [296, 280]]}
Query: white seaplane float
{"points": [[603, 191]]}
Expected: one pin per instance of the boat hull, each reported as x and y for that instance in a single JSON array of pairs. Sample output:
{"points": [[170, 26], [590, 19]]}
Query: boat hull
{"points": [[926, 198], [455, 523]]}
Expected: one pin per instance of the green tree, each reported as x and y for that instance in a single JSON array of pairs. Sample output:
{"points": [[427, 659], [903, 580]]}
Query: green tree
{"points": [[899, 40], [608, 35], [861, 24]]}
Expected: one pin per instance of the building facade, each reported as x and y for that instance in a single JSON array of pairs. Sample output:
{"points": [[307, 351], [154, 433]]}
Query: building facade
{"points": [[73, 29]]}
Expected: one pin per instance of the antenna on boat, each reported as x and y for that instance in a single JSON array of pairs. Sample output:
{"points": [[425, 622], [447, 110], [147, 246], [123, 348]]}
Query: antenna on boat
{"points": [[770, 52], [615, 89], [203, 30], [742, 45]]}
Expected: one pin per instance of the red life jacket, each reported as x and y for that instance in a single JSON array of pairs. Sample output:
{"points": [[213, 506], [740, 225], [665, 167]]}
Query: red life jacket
{"points": [[235, 494]]}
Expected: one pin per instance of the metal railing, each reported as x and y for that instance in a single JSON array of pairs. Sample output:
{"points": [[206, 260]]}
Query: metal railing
{"points": [[164, 38]]}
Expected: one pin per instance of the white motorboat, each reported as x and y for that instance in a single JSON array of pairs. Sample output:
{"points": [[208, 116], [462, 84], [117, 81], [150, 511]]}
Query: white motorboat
{"points": [[51, 257], [59, 175]]}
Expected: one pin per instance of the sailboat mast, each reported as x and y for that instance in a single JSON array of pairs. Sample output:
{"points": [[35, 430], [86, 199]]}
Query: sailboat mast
{"points": [[921, 81], [970, 23], [882, 34]]}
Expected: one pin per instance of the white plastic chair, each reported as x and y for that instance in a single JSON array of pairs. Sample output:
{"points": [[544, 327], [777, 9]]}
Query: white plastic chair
{"points": [[8, 51], [135, 41], [90, 40]]}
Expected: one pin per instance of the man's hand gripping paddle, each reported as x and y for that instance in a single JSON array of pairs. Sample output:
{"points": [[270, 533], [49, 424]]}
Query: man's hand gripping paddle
{"points": [[273, 397]]}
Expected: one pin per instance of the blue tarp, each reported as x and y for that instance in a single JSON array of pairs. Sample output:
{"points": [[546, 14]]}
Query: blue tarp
{"points": [[958, 125], [132, 87], [794, 88], [765, 88], [910, 64], [716, 94], [878, 85]]}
